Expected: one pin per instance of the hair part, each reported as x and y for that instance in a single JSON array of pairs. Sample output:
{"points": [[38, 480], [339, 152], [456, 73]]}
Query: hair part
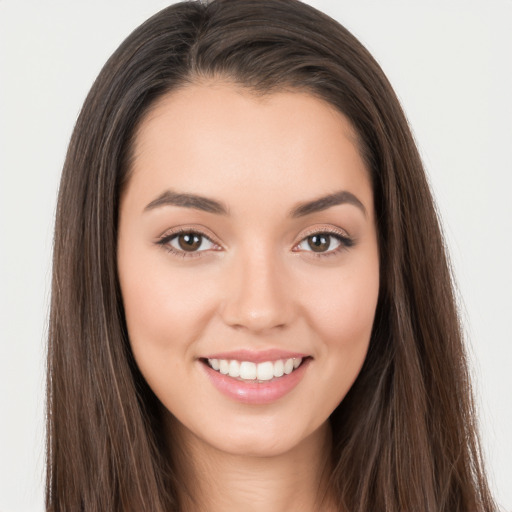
{"points": [[404, 436]]}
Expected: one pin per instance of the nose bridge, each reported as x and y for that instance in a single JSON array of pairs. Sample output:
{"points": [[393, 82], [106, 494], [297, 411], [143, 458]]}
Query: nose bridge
{"points": [[257, 297]]}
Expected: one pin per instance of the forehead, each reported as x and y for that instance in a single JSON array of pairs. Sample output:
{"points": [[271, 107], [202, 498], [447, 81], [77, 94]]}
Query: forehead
{"points": [[222, 140]]}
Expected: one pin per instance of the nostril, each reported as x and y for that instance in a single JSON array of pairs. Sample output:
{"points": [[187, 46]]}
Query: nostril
{"points": [[242, 316]]}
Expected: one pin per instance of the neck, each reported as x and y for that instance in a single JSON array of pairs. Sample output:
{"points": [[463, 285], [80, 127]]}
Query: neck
{"points": [[215, 481]]}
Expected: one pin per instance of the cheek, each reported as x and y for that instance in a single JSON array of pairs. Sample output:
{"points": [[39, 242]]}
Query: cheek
{"points": [[340, 311], [165, 313], [342, 308], [158, 301]]}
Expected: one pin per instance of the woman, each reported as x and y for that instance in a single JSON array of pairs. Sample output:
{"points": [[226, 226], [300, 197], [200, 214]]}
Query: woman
{"points": [[244, 309]]}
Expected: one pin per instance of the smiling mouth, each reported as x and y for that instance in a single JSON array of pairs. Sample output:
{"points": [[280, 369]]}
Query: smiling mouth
{"points": [[255, 372]]}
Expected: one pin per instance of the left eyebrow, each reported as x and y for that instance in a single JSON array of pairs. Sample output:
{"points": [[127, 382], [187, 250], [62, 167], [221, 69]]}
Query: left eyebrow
{"points": [[325, 202], [172, 198]]}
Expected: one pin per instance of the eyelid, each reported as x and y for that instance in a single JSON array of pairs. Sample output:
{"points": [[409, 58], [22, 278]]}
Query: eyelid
{"points": [[328, 229], [346, 241], [164, 239], [190, 228]]}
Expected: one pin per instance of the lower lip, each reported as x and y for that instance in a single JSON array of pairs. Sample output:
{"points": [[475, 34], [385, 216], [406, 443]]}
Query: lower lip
{"points": [[256, 393]]}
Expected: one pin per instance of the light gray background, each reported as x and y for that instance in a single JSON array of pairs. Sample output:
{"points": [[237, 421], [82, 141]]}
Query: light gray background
{"points": [[450, 63]]}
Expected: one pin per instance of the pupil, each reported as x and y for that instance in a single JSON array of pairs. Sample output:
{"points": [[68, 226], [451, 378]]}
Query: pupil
{"points": [[318, 243], [189, 242]]}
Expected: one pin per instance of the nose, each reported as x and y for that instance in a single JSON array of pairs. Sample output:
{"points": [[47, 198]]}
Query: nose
{"points": [[257, 295]]}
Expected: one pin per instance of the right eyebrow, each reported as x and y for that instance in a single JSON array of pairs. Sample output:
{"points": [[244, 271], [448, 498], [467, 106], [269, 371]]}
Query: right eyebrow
{"points": [[172, 198], [328, 201]]}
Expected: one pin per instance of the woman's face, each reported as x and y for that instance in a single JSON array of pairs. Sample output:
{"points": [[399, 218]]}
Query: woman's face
{"points": [[248, 263]]}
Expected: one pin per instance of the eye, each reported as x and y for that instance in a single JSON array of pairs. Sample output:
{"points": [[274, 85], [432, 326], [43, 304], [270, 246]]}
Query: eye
{"points": [[324, 243], [320, 242], [189, 242]]}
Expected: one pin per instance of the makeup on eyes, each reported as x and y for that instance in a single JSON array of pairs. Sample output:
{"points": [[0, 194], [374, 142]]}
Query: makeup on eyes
{"points": [[320, 241], [188, 241], [315, 238]]}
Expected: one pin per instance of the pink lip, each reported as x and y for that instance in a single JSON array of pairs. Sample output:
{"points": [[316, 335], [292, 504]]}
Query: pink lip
{"points": [[256, 356], [255, 393]]}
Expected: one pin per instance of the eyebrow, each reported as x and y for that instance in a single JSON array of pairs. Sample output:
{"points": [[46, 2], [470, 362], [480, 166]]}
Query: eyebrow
{"points": [[171, 198], [325, 202]]}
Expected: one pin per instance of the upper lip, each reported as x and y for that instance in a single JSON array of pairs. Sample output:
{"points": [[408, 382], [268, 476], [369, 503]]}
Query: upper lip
{"points": [[257, 356]]}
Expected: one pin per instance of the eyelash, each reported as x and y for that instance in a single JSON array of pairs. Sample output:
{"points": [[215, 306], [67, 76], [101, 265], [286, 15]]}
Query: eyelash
{"points": [[345, 242], [165, 240]]}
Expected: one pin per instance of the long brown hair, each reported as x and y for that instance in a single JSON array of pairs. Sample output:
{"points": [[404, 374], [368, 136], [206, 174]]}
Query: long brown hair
{"points": [[405, 436]]}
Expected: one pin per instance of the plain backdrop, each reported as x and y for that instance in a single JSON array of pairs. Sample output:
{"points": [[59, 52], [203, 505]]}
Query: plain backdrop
{"points": [[450, 63]]}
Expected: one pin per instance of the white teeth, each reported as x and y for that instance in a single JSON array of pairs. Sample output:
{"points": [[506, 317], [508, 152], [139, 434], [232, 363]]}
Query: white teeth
{"points": [[234, 368], [224, 366], [248, 370], [278, 368], [288, 366], [265, 371]]}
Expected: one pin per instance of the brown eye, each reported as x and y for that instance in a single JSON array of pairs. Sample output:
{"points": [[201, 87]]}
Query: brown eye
{"points": [[324, 243], [189, 241], [319, 243]]}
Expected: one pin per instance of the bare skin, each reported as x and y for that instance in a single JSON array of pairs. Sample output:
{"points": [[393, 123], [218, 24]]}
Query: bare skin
{"points": [[296, 480], [247, 230]]}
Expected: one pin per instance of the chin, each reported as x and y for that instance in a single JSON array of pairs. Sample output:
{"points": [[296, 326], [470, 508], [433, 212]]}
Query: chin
{"points": [[256, 444], [262, 437]]}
